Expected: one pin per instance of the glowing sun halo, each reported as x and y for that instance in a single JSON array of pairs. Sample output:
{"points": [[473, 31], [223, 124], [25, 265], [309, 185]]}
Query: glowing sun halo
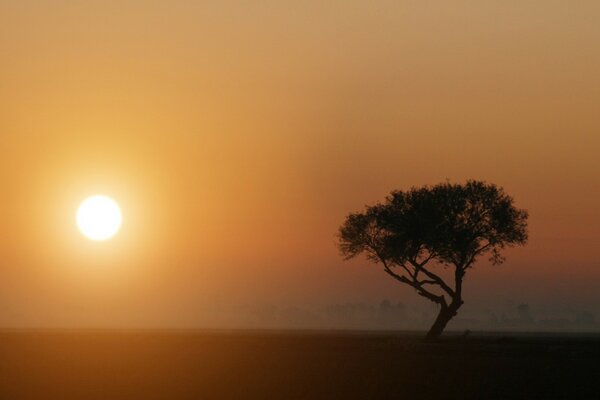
{"points": [[99, 217]]}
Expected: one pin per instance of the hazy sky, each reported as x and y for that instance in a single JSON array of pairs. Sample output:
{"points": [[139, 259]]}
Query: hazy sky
{"points": [[236, 136]]}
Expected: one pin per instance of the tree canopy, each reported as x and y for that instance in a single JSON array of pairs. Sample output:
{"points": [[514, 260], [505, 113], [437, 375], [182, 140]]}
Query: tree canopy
{"points": [[447, 224]]}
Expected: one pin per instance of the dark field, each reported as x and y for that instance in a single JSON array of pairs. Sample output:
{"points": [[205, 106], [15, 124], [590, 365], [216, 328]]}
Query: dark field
{"points": [[254, 365]]}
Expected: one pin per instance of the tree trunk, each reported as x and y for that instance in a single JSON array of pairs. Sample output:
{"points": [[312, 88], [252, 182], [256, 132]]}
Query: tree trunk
{"points": [[445, 315]]}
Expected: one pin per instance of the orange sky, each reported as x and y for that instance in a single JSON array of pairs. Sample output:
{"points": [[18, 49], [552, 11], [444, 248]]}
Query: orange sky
{"points": [[237, 136]]}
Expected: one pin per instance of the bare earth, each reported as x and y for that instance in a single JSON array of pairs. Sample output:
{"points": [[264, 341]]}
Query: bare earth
{"points": [[280, 365]]}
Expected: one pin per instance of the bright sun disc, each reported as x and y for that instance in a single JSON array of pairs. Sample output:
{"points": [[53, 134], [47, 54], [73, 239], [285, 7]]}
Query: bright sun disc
{"points": [[99, 217]]}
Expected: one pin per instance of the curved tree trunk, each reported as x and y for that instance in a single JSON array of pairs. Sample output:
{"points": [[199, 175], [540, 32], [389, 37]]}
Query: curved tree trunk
{"points": [[445, 315]]}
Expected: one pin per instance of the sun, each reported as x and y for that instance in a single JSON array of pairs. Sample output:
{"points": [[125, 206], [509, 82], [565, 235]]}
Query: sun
{"points": [[99, 217]]}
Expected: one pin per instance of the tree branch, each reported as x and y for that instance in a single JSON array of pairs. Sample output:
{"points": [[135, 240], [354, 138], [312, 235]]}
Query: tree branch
{"points": [[433, 277], [417, 286], [475, 254]]}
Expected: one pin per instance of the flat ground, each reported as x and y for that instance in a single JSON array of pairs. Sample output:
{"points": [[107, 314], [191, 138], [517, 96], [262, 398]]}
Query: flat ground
{"points": [[276, 365]]}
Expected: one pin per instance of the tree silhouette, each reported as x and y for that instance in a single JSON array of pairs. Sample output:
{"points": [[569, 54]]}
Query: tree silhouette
{"points": [[444, 226]]}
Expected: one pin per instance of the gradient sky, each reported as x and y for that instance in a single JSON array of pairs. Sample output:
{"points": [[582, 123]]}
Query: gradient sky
{"points": [[237, 135]]}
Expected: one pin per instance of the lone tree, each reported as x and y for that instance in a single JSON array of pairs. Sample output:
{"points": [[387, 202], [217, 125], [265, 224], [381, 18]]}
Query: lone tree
{"points": [[445, 226]]}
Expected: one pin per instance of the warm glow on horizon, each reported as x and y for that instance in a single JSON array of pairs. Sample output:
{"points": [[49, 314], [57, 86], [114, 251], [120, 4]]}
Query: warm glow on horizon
{"points": [[99, 218]]}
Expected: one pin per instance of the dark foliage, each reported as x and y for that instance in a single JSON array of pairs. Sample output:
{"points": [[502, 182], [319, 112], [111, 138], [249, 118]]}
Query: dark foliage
{"points": [[451, 225]]}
